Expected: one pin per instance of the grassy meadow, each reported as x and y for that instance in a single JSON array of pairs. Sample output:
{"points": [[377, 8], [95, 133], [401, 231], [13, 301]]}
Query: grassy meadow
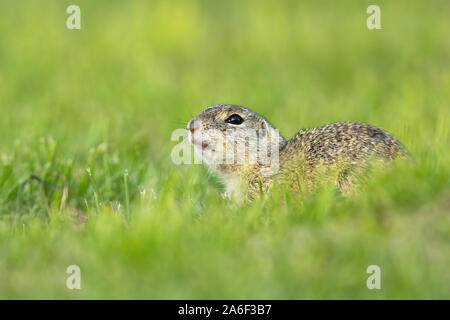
{"points": [[86, 176]]}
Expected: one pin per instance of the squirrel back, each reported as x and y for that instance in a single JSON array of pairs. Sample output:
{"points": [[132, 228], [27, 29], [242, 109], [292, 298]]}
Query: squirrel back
{"points": [[342, 151]]}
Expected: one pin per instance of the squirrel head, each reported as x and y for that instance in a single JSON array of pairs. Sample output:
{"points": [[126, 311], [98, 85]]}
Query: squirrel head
{"points": [[235, 140]]}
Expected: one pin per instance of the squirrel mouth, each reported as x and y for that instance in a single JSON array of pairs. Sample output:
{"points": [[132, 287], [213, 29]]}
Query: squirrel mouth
{"points": [[202, 145]]}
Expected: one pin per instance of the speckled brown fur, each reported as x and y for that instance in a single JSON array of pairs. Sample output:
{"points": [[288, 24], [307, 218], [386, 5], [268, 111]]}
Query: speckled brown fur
{"points": [[344, 148]]}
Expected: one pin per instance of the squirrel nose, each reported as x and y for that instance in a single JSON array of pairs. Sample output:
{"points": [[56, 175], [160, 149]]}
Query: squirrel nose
{"points": [[191, 127]]}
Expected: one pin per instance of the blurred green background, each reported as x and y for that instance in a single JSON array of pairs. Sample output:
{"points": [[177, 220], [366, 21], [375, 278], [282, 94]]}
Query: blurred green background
{"points": [[107, 98]]}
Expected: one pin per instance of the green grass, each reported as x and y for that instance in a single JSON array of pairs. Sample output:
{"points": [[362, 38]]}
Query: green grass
{"points": [[86, 176]]}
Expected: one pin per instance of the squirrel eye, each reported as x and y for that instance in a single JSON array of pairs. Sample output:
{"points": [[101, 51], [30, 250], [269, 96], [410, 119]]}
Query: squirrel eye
{"points": [[234, 119]]}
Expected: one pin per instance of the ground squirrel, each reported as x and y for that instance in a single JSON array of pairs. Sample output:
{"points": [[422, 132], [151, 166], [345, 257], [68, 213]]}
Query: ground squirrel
{"points": [[249, 153]]}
